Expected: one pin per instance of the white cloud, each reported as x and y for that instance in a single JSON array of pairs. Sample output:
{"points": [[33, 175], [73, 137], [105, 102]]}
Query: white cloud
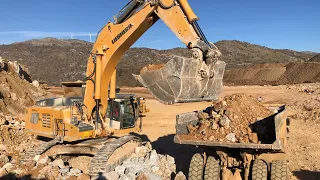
{"points": [[156, 41], [38, 34]]}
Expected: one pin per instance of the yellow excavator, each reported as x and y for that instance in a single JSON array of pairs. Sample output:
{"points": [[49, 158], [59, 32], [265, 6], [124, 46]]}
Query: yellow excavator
{"points": [[88, 126]]}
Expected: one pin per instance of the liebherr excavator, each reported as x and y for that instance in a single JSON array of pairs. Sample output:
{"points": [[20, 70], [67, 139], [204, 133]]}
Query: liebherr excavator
{"points": [[88, 124]]}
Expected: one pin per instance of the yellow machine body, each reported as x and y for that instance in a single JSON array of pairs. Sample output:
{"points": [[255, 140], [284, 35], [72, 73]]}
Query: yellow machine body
{"points": [[198, 78]]}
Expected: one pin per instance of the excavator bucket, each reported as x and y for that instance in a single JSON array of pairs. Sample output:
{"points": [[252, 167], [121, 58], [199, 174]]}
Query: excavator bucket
{"points": [[183, 80]]}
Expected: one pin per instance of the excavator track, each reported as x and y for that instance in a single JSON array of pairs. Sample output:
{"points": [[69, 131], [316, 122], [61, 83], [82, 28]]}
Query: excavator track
{"points": [[99, 163], [30, 154]]}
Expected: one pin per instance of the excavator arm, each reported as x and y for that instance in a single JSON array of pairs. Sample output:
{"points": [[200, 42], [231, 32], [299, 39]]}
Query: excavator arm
{"points": [[180, 80]]}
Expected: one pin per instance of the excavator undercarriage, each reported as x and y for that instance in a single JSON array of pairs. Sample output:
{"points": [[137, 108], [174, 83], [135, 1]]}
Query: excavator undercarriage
{"points": [[107, 152]]}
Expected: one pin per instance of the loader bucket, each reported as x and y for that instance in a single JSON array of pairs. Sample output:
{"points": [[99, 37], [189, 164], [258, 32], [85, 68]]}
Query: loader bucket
{"points": [[183, 80]]}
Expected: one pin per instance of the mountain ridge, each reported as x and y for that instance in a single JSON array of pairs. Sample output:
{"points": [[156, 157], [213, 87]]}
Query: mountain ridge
{"points": [[60, 60]]}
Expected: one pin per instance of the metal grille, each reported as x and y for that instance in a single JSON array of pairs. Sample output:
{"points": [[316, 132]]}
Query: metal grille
{"points": [[46, 122]]}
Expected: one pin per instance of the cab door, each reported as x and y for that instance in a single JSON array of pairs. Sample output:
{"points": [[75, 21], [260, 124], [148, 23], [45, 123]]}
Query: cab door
{"points": [[128, 115]]}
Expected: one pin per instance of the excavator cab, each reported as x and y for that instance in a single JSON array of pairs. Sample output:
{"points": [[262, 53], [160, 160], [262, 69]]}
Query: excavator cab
{"points": [[123, 111]]}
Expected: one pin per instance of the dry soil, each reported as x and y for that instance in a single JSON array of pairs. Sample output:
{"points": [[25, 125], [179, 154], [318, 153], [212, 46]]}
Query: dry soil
{"points": [[303, 147]]}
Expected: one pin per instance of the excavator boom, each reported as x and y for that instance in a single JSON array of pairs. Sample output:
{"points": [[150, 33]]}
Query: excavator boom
{"points": [[180, 80]]}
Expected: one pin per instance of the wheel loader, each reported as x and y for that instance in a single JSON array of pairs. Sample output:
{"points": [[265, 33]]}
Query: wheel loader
{"points": [[88, 126]]}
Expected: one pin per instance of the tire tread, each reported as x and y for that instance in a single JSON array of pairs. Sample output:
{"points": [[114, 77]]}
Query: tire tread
{"points": [[259, 170], [196, 167], [279, 170], [212, 169]]}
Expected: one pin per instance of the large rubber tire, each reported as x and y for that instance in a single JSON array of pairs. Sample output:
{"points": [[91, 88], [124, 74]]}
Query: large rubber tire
{"points": [[279, 170], [196, 167], [212, 169], [259, 170]]}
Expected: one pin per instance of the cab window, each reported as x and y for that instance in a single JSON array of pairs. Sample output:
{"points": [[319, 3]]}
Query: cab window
{"points": [[128, 114], [115, 111]]}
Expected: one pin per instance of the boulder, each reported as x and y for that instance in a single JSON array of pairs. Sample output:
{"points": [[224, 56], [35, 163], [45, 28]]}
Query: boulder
{"points": [[74, 172], [3, 121], [23, 124], [111, 175], [155, 169], [120, 170], [80, 162], [231, 137], [13, 96], [36, 83], [3, 160], [18, 171], [148, 145], [141, 151], [9, 118], [8, 167], [58, 163], [170, 160], [3, 147], [43, 160], [225, 122], [64, 170], [17, 123], [154, 159], [131, 176], [3, 172]]}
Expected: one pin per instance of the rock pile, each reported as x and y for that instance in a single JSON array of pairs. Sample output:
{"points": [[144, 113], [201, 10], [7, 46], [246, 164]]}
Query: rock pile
{"points": [[308, 110], [235, 119], [16, 88], [146, 163], [13, 140], [42, 167], [307, 88]]}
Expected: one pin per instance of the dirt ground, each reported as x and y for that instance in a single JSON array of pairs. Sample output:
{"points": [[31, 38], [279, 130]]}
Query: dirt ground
{"points": [[303, 144]]}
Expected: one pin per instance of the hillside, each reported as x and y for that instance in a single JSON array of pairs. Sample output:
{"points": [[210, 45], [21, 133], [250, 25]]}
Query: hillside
{"points": [[274, 74], [316, 58], [16, 89], [54, 60]]}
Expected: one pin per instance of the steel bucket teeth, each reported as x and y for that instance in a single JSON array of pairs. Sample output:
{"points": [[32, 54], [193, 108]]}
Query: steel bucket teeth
{"points": [[183, 80]]}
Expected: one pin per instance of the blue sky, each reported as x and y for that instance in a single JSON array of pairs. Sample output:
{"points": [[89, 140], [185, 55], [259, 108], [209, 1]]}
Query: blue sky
{"points": [[289, 24]]}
